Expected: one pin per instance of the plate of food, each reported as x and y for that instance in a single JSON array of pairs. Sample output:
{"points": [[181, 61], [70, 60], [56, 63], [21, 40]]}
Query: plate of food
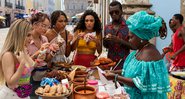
{"points": [[55, 91], [103, 63], [62, 64], [78, 67]]}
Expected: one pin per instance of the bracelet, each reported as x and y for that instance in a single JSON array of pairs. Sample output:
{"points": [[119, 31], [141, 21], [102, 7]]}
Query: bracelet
{"points": [[115, 77], [115, 80]]}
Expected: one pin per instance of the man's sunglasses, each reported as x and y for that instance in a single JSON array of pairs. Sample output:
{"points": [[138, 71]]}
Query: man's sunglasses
{"points": [[114, 12]]}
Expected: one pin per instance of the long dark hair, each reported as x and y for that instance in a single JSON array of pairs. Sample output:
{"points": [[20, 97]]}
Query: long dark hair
{"points": [[81, 23], [55, 15]]}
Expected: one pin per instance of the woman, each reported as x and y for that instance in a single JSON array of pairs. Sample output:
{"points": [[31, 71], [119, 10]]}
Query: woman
{"points": [[144, 73], [87, 39], [40, 23], [16, 65], [58, 24]]}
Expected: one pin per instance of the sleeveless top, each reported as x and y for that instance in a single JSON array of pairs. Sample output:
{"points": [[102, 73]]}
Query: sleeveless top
{"points": [[84, 46], [25, 77], [177, 45]]}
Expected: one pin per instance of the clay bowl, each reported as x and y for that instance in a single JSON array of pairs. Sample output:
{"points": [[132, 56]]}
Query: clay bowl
{"points": [[79, 92], [80, 74], [78, 81]]}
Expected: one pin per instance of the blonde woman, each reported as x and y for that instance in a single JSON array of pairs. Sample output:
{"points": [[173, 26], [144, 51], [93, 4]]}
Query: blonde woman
{"points": [[15, 64]]}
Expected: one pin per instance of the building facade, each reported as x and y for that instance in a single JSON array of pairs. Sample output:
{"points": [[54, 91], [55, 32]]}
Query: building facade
{"points": [[34, 6], [11, 9], [72, 7], [58, 4]]}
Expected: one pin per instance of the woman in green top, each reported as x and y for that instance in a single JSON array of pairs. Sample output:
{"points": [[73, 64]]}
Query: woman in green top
{"points": [[144, 73]]}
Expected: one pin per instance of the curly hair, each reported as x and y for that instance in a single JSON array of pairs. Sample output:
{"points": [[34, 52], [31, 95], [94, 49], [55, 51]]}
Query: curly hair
{"points": [[81, 24], [55, 15], [38, 17]]}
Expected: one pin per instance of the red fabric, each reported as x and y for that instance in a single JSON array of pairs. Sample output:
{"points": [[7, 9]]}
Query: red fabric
{"points": [[177, 44], [84, 59]]}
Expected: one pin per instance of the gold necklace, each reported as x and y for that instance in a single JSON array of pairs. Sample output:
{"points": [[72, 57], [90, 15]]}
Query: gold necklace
{"points": [[139, 51], [55, 31]]}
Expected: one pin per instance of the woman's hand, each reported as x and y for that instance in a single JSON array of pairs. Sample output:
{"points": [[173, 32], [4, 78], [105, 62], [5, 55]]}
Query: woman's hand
{"points": [[44, 46], [92, 38], [23, 58], [70, 37], [54, 47], [109, 75], [80, 35]]}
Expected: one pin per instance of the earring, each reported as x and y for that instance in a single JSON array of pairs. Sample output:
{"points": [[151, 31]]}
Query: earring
{"points": [[141, 41]]}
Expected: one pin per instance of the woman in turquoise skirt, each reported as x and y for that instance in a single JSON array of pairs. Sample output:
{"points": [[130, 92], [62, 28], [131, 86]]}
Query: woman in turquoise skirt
{"points": [[144, 73]]}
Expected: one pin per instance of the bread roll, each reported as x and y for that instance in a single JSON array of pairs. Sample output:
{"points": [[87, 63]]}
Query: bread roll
{"points": [[53, 89], [59, 88], [47, 89], [40, 90]]}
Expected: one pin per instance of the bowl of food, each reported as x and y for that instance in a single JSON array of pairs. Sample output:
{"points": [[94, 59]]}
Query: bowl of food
{"points": [[78, 67]]}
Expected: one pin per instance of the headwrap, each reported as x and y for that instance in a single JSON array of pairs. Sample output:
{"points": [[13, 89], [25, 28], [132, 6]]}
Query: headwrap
{"points": [[143, 25]]}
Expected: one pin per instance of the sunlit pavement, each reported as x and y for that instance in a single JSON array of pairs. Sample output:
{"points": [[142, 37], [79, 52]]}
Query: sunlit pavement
{"points": [[3, 33]]}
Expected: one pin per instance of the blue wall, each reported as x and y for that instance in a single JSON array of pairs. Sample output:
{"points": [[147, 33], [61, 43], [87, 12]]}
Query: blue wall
{"points": [[166, 9]]}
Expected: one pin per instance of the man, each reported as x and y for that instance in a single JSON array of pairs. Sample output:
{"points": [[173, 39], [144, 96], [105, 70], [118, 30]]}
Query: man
{"points": [[178, 43], [116, 33]]}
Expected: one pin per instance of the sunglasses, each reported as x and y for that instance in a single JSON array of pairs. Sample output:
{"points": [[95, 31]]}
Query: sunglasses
{"points": [[114, 12]]}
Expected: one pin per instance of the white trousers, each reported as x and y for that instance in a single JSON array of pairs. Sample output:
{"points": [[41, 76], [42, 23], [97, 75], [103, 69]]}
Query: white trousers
{"points": [[7, 93]]}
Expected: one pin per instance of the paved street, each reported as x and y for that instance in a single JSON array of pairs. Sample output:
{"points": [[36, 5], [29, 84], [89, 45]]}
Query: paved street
{"points": [[3, 33]]}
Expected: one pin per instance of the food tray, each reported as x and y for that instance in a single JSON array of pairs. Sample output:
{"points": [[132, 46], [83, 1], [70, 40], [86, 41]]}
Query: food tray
{"points": [[54, 96]]}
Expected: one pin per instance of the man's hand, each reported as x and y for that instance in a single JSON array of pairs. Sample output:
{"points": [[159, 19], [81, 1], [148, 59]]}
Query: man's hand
{"points": [[173, 57]]}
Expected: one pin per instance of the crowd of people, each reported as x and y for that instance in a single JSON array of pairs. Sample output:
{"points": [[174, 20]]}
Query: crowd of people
{"points": [[34, 45]]}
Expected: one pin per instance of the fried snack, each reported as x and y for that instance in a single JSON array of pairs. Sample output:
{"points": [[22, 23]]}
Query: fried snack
{"points": [[108, 60], [40, 90], [47, 89], [111, 64], [59, 89], [53, 89], [104, 60], [58, 74], [96, 62]]}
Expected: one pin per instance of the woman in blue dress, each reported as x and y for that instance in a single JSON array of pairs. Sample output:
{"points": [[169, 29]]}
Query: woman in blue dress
{"points": [[144, 73]]}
